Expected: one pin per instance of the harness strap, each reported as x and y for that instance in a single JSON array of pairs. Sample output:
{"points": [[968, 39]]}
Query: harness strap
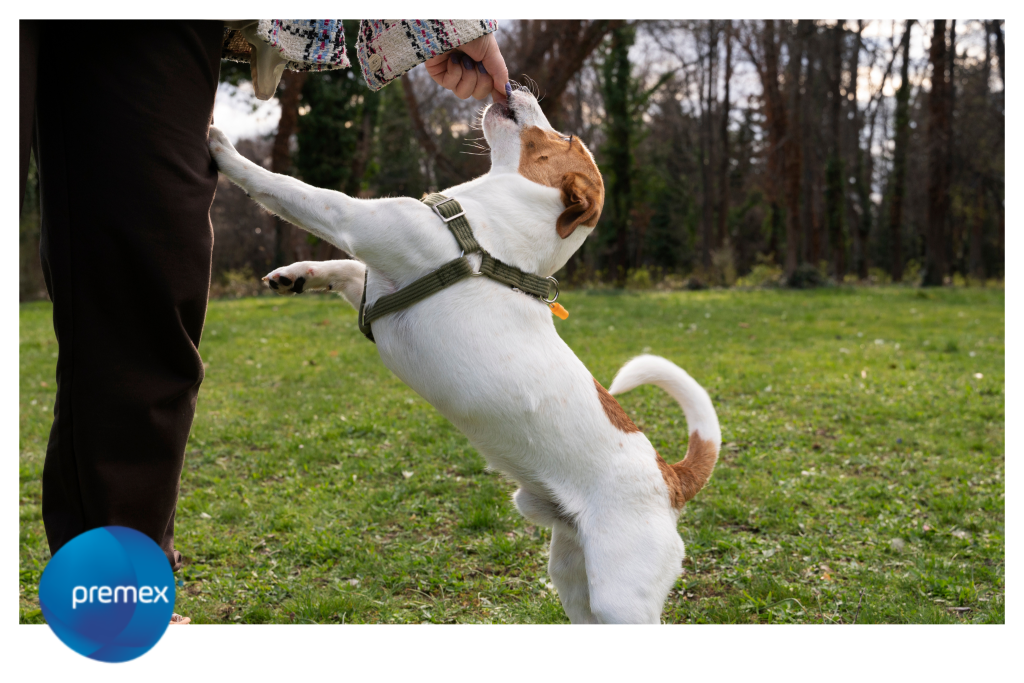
{"points": [[457, 269], [513, 277], [446, 275], [459, 225]]}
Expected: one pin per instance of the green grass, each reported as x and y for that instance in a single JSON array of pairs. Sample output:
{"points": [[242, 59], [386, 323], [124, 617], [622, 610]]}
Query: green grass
{"points": [[859, 481]]}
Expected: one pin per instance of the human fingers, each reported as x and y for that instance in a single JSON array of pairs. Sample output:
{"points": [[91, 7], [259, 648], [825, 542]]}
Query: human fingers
{"points": [[485, 50], [453, 73], [437, 67], [484, 84], [467, 84]]}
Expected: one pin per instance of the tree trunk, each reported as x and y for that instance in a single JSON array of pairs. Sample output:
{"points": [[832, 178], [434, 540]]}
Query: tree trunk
{"points": [[777, 123], [290, 242], [899, 164], [794, 153], [707, 151], [997, 28], [423, 136], [977, 235], [808, 173], [977, 256], [723, 168], [863, 227], [834, 203], [938, 156], [954, 223], [618, 147]]}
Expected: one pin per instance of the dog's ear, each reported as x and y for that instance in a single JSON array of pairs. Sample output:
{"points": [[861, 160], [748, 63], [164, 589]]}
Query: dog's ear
{"points": [[583, 201]]}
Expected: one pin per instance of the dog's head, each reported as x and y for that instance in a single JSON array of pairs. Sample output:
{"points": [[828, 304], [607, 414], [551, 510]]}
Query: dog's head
{"points": [[522, 141]]}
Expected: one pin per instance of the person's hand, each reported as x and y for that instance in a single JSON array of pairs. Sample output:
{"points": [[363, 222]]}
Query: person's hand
{"points": [[477, 69]]}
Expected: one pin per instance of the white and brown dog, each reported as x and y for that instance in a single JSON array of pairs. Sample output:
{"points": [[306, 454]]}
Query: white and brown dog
{"points": [[489, 359]]}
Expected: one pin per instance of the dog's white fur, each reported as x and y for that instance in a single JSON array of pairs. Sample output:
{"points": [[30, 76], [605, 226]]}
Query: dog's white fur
{"points": [[489, 359]]}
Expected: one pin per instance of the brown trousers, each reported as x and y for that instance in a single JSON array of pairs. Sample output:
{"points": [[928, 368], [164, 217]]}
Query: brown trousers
{"points": [[126, 183]]}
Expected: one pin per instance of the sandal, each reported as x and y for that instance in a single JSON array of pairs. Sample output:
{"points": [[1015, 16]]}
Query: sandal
{"points": [[178, 619]]}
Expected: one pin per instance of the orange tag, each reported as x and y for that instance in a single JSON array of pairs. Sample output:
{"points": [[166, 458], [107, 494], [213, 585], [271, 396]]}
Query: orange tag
{"points": [[559, 310]]}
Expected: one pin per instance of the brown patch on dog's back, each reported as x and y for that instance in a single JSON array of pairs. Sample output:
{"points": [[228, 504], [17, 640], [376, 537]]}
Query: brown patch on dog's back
{"points": [[616, 415], [686, 478]]}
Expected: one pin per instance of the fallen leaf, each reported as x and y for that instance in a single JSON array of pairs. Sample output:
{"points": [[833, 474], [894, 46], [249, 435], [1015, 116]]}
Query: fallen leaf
{"points": [[744, 325], [406, 474], [205, 516]]}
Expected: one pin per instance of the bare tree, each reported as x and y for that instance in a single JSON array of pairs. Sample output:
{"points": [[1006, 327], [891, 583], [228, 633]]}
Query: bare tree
{"points": [[793, 147], [552, 52], [834, 168], [708, 100], [723, 164], [938, 158], [763, 47], [898, 178], [290, 242]]}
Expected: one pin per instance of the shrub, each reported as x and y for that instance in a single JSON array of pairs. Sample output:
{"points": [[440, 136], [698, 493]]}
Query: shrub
{"points": [[762, 275], [235, 284], [639, 278], [723, 266], [806, 276]]}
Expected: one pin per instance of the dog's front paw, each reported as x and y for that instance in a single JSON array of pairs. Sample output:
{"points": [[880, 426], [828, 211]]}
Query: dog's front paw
{"points": [[293, 279], [219, 142], [221, 148], [287, 281]]}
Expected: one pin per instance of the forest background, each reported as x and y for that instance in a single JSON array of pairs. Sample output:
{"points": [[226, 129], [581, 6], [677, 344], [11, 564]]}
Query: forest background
{"points": [[747, 153]]}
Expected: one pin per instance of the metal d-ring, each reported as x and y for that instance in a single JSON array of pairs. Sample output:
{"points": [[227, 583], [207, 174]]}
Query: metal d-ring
{"points": [[555, 283], [471, 274]]}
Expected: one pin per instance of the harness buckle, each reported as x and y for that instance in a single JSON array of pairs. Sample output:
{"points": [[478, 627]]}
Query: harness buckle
{"points": [[436, 208], [555, 283]]}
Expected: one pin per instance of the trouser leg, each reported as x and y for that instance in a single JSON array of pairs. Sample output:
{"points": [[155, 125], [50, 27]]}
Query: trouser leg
{"points": [[126, 185]]}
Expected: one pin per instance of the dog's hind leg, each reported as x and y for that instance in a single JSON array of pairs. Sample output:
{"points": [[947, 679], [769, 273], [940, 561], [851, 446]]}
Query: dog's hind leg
{"points": [[633, 558], [344, 277], [568, 571], [566, 564]]}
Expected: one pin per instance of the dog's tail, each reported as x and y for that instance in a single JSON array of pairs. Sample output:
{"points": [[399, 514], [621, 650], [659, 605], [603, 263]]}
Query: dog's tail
{"points": [[687, 477]]}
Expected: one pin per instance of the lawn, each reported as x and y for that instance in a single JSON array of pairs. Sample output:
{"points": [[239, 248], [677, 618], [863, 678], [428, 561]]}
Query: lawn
{"points": [[861, 478]]}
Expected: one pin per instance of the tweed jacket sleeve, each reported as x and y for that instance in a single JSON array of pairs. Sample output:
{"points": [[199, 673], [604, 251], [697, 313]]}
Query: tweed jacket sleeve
{"points": [[303, 44], [387, 48]]}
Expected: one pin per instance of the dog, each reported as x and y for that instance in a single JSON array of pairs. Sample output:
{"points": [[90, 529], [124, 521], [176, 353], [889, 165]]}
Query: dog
{"points": [[487, 355]]}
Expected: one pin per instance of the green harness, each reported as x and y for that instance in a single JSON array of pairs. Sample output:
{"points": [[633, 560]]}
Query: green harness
{"points": [[451, 212]]}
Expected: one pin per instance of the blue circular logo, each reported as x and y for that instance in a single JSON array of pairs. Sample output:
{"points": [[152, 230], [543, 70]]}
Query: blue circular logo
{"points": [[108, 594]]}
